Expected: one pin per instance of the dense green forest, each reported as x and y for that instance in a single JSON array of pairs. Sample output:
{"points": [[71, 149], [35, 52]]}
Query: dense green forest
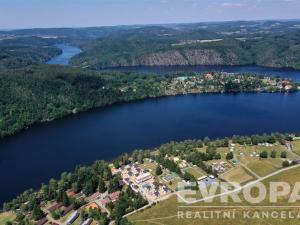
{"points": [[20, 52], [161, 46], [45, 92]]}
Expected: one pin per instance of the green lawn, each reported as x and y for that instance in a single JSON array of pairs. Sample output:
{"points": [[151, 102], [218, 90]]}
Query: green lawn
{"points": [[7, 216], [261, 167], [166, 212], [238, 175], [196, 172], [296, 145]]}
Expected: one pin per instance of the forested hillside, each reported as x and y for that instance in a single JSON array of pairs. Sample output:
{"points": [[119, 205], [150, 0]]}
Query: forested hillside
{"points": [[44, 92], [161, 46], [20, 52]]}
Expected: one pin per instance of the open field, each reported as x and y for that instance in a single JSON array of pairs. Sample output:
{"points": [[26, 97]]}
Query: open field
{"points": [[262, 167], [166, 212], [238, 175], [296, 145], [6, 216], [248, 150], [249, 156], [196, 172]]}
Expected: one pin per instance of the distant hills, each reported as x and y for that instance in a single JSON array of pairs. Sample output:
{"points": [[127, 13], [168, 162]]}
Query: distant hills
{"points": [[160, 46], [266, 43]]}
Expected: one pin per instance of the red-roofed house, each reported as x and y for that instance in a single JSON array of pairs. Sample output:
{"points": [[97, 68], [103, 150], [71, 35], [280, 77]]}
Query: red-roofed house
{"points": [[105, 201], [55, 207], [70, 193], [42, 221], [114, 196], [93, 197], [68, 209]]}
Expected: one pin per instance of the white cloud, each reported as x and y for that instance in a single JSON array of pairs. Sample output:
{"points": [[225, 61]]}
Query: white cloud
{"points": [[231, 4]]}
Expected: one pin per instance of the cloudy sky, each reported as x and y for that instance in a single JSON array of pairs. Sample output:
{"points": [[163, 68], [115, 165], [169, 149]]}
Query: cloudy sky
{"points": [[81, 13]]}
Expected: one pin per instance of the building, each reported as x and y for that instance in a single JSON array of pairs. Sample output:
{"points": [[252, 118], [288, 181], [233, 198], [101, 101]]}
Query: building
{"points": [[70, 193], [114, 196], [143, 177], [55, 207], [42, 221], [73, 217], [105, 201], [87, 221], [68, 209], [93, 197]]}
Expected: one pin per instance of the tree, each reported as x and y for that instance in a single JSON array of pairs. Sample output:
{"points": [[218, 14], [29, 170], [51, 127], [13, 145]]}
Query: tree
{"points": [[273, 154], [88, 188], [55, 215], [229, 156], [113, 185], [263, 155], [283, 155], [285, 163], [76, 187], [37, 213], [217, 156], [101, 185], [65, 199], [206, 140], [189, 177], [158, 171]]}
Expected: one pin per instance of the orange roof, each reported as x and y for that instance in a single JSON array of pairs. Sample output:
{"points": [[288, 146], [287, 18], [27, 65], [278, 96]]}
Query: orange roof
{"points": [[92, 205], [71, 193]]}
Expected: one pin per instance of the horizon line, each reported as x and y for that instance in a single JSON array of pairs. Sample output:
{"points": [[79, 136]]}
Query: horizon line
{"points": [[147, 24]]}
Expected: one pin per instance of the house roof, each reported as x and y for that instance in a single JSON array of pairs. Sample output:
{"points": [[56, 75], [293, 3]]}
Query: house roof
{"points": [[93, 196], [114, 196], [105, 201], [55, 207], [68, 209], [42, 221], [92, 205]]}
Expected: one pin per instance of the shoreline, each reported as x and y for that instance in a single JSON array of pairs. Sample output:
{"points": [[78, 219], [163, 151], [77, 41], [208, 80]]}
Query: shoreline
{"points": [[71, 114]]}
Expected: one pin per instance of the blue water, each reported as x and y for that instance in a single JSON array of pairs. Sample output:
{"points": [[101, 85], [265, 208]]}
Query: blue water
{"points": [[251, 69], [44, 151], [68, 52]]}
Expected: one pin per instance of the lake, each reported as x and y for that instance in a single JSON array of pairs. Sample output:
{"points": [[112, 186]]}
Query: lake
{"points": [[249, 69], [68, 52], [44, 151]]}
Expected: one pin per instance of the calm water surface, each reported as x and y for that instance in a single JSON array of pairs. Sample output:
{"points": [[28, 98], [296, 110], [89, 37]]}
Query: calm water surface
{"points": [[46, 150], [261, 70], [68, 52]]}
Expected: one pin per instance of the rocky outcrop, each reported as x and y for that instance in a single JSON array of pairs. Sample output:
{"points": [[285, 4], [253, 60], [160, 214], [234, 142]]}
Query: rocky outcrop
{"points": [[185, 57]]}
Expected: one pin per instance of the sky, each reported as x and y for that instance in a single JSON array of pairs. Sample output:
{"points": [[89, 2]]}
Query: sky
{"points": [[83, 13]]}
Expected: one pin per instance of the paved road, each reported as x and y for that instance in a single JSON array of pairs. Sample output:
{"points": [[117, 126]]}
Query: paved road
{"points": [[237, 189]]}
